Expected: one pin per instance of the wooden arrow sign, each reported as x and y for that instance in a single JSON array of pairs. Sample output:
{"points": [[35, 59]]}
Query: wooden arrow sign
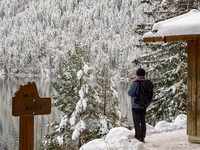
{"points": [[26, 101]]}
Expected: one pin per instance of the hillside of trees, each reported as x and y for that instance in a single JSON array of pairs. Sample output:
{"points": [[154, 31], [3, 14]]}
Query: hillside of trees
{"points": [[37, 34]]}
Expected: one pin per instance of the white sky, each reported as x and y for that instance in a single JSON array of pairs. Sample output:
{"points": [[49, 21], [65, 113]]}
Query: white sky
{"points": [[186, 24]]}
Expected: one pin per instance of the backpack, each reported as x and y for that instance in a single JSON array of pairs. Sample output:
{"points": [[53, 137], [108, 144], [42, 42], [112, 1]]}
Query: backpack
{"points": [[145, 93]]}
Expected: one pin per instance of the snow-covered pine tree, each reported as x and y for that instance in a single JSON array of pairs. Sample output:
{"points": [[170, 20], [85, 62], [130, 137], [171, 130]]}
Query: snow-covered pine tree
{"points": [[33, 32], [166, 63], [75, 98], [107, 97]]}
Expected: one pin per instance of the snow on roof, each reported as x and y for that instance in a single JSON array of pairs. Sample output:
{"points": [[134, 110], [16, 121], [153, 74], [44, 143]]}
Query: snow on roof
{"points": [[186, 24]]}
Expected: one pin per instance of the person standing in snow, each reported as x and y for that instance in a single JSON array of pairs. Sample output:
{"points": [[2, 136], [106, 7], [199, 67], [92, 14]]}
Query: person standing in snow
{"points": [[138, 111]]}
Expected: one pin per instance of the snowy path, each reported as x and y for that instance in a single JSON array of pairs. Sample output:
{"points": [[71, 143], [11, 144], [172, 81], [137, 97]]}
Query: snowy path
{"points": [[174, 140], [164, 136]]}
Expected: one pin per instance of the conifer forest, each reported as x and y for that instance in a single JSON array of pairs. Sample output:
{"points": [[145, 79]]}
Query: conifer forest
{"points": [[89, 45]]}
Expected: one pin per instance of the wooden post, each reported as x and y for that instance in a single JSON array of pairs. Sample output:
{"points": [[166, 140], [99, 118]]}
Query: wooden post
{"points": [[193, 88], [26, 103], [26, 133], [198, 91]]}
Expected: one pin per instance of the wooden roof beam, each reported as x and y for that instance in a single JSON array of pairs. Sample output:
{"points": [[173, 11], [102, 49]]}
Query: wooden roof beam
{"points": [[172, 38]]}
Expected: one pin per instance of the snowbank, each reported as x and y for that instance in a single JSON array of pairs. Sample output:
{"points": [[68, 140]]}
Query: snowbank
{"points": [[121, 138]]}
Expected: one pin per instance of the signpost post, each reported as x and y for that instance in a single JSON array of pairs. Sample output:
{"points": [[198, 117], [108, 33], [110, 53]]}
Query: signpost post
{"points": [[26, 103]]}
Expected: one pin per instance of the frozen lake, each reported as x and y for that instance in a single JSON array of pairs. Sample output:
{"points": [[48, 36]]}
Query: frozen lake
{"points": [[9, 125]]}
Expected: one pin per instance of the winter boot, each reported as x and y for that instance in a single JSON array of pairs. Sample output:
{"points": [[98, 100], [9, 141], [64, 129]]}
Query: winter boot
{"points": [[142, 140]]}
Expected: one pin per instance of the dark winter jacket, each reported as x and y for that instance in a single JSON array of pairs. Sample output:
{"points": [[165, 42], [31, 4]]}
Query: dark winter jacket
{"points": [[133, 91]]}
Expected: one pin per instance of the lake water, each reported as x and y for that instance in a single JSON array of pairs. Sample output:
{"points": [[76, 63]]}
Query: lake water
{"points": [[9, 125]]}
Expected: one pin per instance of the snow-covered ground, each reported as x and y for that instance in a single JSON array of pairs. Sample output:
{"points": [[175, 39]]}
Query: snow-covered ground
{"points": [[164, 136]]}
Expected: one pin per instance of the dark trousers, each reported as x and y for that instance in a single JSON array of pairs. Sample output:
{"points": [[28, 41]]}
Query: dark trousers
{"points": [[139, 122]]}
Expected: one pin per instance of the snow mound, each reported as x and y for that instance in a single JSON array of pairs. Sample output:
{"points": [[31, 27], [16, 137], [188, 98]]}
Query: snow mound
{"points": [[94, 144], [179, 123], [151, 130], [181, 119], [121, 138], [139, 146], [118, 138], [120, 132], [104, 144], [166, 126]]}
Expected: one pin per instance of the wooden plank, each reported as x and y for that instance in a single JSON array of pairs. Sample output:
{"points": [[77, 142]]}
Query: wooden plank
{"points": [[26, 102], [194, 139], [191, 88], [172, 38], [153, 39], [31, 106], [26, 133], [198, 88]]}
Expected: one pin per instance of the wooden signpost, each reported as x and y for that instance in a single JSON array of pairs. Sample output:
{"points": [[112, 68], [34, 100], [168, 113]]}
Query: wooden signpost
{"points": [[26, 103]]}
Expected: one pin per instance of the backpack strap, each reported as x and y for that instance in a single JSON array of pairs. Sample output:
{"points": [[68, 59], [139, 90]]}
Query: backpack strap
{"points": [[140, 85]]}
